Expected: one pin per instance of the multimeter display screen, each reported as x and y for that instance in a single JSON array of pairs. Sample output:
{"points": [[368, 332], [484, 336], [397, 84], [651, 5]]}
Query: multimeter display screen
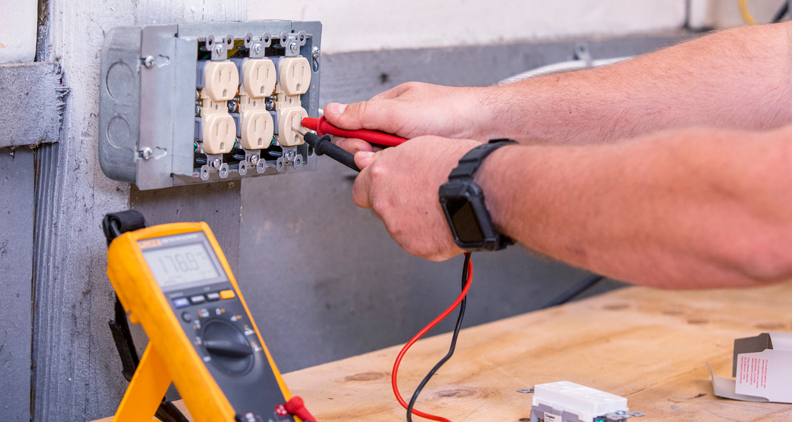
{"points": [[181, 264]]}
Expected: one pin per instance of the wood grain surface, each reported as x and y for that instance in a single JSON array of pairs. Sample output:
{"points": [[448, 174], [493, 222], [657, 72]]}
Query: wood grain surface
{"points": [[647, 345]]}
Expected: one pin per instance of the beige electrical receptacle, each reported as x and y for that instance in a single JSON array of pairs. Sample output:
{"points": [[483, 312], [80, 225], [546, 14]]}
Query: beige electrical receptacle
{"points": [[257, 130], [221, 80], [219, 133], [259, 77], [288, 119], [295, 75]]}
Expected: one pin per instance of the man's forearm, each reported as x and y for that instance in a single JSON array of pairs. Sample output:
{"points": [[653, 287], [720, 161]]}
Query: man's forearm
{"points": [[682, 209], [740, 78]]}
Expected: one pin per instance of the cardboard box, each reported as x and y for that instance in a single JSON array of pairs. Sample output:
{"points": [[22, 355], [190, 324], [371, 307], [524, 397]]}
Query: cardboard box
{"points": [[762, 367]]}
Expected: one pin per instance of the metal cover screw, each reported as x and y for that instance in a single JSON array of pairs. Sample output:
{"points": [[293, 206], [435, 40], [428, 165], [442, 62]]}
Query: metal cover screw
{"points": [[315, 53], [147, 153], [148, 62], [269, 104], [257, 48], [254, 159], [293, 47], [216, 163], [232, 107], [219, 49]]}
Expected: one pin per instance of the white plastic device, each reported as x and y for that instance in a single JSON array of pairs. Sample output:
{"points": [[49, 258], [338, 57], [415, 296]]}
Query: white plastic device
{"points": [[588, 404]]}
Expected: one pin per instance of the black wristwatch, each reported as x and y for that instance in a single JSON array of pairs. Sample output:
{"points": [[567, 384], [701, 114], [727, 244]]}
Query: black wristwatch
{"points": [[462, 201]]}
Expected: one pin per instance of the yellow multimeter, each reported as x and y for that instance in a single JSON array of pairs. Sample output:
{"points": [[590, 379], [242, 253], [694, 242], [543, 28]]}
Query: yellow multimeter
{"points": [[175, 281]]}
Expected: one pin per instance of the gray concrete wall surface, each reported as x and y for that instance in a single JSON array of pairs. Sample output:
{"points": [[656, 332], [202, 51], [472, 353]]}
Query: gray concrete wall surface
{"points": [[77, 371], [323, 279], [17, 173]]}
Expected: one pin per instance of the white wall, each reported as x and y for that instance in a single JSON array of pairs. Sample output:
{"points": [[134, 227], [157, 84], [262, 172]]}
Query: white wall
{"points": [[726, 13], [18, 21], [370, 24]]}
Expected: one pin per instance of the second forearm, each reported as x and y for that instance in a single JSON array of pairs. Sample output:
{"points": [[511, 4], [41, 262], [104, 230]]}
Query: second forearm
{"points": [[675, 209]]}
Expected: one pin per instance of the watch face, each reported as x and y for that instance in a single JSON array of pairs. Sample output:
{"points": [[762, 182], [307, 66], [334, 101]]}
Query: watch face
{"points": [[464, 220]]}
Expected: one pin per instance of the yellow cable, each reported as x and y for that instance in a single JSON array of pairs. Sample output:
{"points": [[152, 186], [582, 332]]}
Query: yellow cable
{"points": [[745, 13]]}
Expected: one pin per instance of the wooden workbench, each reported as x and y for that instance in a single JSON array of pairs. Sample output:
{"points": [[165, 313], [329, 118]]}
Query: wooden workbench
{"points": [[647, 345]]}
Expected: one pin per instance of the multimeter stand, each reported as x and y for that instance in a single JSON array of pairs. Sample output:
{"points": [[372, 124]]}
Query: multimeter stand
{"points": [[138, 372], [145, 393]]}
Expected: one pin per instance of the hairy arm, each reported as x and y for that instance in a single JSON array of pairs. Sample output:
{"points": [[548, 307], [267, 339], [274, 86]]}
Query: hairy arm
{"points": [[677, 209], [739, 78]]}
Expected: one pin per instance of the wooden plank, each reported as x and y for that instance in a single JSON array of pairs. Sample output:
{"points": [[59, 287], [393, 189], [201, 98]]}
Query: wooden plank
{"points": [[647, 345]]}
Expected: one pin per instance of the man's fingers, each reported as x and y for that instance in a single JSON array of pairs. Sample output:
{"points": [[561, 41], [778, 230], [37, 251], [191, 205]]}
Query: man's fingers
{"points": [[373, 115], [364, 159], [361, 190], [352, 145]]}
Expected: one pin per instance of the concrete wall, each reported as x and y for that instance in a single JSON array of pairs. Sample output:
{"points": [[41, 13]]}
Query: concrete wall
{"points": [[17, 173], [77, 371], [18, 24], [726, 13], [351, 25]]}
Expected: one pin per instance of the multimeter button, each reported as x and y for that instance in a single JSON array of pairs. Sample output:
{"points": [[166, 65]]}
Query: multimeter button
{"points": [[227, 294], [211, 297], [197, 299], [181, 302], [186, 316]]}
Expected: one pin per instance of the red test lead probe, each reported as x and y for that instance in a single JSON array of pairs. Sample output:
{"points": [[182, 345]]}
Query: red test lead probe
{"points": [[322, 127], [295, 406]]}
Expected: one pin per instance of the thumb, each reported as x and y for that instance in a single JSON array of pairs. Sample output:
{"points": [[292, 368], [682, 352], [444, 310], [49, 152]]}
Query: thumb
{"points": [[372, 115], [364, 159]]}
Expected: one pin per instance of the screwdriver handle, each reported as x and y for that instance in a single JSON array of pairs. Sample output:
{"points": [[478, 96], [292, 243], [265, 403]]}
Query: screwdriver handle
{"points": [[324, 146]]}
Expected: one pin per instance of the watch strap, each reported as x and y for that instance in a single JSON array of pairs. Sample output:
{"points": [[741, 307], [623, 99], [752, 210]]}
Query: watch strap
{"points": [[473, 159]]}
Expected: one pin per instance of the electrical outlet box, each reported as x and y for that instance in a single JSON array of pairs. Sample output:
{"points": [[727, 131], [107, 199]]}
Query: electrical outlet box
{"points": [[206, 102]]}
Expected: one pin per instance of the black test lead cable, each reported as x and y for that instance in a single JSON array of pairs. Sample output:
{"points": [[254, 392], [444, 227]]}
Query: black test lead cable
{"points": [[451, 349]]}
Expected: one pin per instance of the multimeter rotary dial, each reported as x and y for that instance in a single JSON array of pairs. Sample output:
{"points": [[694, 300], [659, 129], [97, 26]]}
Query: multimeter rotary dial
{"points": [[225, 343]]}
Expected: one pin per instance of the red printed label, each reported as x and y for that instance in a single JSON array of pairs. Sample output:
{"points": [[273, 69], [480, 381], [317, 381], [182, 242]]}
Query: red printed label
{"points": [[752, 375]]}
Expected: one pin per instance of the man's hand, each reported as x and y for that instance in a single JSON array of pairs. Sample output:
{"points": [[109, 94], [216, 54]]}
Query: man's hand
{"points": [[401, 187], [416, 109]]}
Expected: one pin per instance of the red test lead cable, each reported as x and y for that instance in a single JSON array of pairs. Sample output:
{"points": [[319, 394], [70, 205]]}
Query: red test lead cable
{"points": [[322, 127], [420, 334]]}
